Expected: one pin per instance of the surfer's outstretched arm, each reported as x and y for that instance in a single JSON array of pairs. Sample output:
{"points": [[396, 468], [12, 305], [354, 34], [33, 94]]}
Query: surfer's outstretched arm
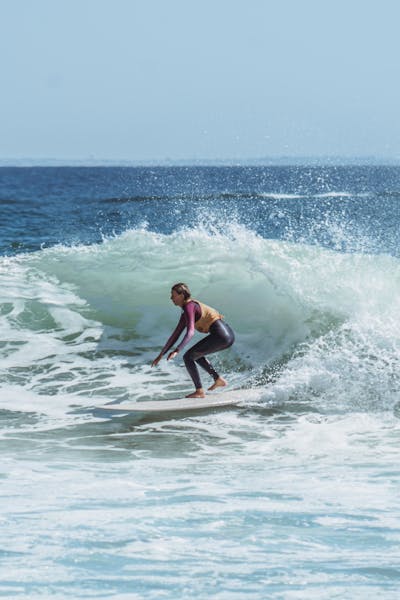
{"points": [[171, 340]]}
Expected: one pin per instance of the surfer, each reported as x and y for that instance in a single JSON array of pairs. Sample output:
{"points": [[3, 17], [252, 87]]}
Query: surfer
{"points": [[203, 318]]}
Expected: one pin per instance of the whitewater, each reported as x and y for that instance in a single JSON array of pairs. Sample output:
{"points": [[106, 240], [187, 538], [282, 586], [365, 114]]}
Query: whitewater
{"points": [[293, 494]]}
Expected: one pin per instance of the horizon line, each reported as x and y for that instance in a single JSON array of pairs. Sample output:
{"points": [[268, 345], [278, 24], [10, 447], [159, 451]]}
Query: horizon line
{"points": [[282, 160]]}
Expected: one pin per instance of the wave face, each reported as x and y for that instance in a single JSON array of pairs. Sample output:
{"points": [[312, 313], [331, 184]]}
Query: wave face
{"points": [[310, 322]]}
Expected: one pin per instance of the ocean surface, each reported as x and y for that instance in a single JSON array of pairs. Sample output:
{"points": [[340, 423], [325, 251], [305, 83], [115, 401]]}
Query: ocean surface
{"points": [[292, 495]]}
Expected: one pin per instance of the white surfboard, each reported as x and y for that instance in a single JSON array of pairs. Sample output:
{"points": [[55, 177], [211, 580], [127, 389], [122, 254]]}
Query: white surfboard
{"points": [[218, 400]]}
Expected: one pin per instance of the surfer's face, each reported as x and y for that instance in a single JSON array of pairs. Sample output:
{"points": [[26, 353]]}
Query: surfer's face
{"points": [[177, 299]]}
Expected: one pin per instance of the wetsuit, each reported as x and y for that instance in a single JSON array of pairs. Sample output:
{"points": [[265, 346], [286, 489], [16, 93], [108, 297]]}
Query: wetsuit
{"points": [[220, 336]]}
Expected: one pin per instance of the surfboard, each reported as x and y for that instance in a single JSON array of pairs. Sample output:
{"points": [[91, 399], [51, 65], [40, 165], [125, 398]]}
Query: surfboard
{"points": [[218, 400]]}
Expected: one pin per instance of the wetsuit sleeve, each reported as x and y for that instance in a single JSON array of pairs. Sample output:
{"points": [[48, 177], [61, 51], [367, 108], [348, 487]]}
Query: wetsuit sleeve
{"points": [[189, 314], [175, 334]]}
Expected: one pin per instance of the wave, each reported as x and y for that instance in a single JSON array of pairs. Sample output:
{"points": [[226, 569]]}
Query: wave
{"points": [[312, 325]]}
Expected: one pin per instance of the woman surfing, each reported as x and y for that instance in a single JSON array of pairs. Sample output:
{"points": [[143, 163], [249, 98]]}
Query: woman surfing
{"points": [[203, 318]]}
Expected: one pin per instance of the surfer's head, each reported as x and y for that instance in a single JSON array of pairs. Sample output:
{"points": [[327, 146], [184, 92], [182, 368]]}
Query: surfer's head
{"points": [[180, 294]]}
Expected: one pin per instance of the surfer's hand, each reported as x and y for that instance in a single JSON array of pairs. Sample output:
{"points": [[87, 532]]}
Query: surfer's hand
{"points": [[156, 360], [172, 355]]}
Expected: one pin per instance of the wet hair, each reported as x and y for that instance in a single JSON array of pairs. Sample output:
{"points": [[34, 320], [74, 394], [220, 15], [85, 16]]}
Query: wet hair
{"points": [[182, 288]]}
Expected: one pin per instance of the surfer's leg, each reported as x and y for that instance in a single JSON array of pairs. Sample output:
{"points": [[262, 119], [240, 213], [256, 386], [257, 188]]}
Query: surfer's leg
{"points": [[207, 366], [192, 369], [221, 337]]}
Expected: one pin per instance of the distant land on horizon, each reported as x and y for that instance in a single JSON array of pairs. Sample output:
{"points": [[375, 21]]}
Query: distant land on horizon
{"points": [[206, 162]]}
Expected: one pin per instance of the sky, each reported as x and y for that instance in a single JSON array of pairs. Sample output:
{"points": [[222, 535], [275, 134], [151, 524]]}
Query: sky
{"points": [[182, 80]]}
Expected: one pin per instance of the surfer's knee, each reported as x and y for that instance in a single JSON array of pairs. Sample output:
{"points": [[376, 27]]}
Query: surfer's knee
{"points": [[191, 356], [187, 357]]}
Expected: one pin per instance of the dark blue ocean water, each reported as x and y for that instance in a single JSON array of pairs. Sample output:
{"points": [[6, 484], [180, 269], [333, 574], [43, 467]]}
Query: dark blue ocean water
{"points": [[42, 206]]}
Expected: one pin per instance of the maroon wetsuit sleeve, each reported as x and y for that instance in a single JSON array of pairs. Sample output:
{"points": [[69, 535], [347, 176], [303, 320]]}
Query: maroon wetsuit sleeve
{"points": [[175, 334], [189, 314]]}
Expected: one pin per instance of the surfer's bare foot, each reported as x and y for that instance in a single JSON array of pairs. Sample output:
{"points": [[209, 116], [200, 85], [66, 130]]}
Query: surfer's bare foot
{"points": [[220, 382], [197, 394]]}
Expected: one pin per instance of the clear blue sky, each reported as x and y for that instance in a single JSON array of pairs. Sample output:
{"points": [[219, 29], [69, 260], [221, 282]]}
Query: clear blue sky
{"points": [[186, 79]]}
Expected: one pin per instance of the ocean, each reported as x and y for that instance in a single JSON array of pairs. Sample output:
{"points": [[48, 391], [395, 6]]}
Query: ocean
{"points": [[294, 494]]}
